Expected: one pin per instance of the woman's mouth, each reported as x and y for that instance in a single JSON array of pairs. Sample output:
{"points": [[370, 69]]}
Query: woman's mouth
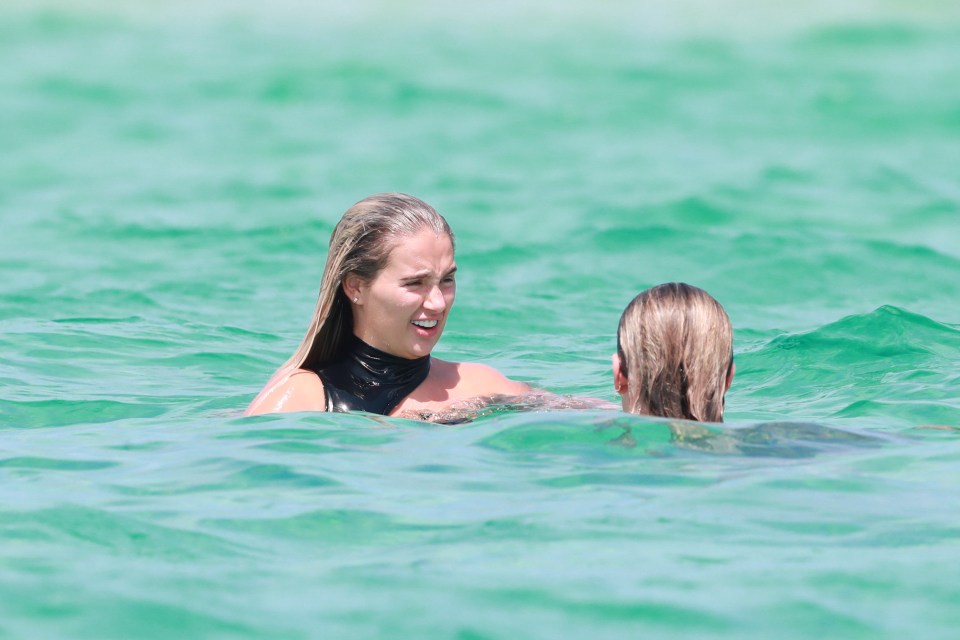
{"points": [[425, 324]]}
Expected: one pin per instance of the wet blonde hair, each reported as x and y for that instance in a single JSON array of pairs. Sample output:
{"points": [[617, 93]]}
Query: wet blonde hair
{"points": [[360, 244], [675, 344]]}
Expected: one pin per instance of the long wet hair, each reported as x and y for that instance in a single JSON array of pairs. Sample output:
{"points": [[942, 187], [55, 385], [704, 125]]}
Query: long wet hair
{"points": [[361, 244], [675, 344]]}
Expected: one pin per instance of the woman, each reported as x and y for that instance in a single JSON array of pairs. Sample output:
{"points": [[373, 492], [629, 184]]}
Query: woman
{"points": [[674, 354], [386, 291]]}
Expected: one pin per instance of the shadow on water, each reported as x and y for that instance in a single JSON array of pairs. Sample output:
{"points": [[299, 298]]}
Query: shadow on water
{"points": [[540, 422], [558, 431], [769, 439], [543, 420]]}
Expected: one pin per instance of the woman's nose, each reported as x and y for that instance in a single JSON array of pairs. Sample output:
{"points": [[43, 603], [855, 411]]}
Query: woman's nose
{"points": [[435, 300]]}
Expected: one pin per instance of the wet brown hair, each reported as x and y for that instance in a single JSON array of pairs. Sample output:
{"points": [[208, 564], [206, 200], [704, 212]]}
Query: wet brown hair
{"points": [[675, 344]]}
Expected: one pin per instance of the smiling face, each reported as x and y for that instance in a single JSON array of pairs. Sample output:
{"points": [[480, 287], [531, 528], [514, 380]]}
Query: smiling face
{"points": [[403, 310]]}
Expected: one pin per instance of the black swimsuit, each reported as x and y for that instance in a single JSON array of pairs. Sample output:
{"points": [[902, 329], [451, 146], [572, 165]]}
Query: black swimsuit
{"points": [[366, 379]]}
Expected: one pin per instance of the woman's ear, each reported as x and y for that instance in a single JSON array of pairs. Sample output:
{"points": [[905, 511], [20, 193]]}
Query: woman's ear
{"points": [[619, 380], [730, 373], [352, 287]]}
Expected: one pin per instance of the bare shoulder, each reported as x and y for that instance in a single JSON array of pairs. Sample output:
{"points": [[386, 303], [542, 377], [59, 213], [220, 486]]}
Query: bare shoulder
{"points": [[297, 390], [474, 379]]}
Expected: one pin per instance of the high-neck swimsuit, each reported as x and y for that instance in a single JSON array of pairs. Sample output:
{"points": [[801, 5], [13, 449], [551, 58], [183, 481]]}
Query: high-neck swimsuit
{"points": [[362, 378]]}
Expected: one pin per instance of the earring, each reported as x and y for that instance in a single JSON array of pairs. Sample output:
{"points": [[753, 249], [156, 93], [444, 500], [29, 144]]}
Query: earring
{"points": [[356, 300]]}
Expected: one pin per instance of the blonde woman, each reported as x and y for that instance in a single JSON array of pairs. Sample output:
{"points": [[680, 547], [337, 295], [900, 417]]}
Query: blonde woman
{"points": [[387, 288], [674, 354]]}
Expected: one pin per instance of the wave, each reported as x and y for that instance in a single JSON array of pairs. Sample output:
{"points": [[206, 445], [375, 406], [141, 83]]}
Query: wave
{"points": [[875, 338], [60, 413], [887, 361]]}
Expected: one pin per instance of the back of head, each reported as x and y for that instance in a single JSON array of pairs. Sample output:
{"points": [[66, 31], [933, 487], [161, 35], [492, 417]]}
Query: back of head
{"points": [[360, 244], [675, 344]]}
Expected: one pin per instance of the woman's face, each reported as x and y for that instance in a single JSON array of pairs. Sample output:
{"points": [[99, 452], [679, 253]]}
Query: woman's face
{"points": [[403, 310]]}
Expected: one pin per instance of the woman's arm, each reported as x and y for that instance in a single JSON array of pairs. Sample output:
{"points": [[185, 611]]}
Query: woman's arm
{"points": [[482, 380], [300, 390]]}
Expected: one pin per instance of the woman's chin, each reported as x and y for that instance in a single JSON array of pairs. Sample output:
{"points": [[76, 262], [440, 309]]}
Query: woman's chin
{"points": [[423, 346], [424, 340]]}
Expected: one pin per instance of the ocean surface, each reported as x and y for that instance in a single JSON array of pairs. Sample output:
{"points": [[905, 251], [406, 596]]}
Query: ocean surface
{"points": [[169, 177]]}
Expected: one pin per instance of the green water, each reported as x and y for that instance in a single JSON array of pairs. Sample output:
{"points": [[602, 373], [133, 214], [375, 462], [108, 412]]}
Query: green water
{"points": [[169, 176]]}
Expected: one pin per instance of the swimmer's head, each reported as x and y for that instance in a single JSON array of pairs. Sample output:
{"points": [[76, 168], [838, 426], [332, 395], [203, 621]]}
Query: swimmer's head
{"points": [[360, 245], [674, 354], [369, 230]]}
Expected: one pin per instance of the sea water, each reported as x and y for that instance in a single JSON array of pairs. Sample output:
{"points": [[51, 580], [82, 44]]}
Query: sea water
{"points": [[169, 177]]}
